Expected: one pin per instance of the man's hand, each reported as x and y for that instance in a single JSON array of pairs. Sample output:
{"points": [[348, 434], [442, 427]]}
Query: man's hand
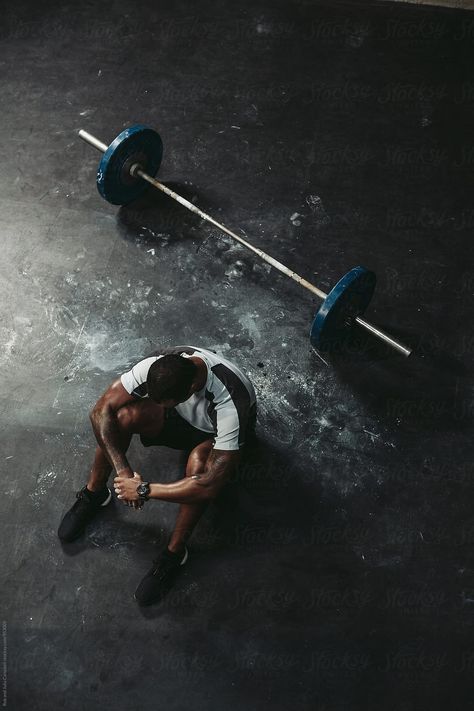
{"points": [[126, 490]]}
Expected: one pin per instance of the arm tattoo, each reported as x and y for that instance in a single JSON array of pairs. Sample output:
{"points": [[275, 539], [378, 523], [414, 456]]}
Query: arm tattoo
{"points": [[107, 434], [218, 466]]}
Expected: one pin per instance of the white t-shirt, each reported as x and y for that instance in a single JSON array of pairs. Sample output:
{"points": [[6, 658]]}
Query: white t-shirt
{"points": [[223, 406]]}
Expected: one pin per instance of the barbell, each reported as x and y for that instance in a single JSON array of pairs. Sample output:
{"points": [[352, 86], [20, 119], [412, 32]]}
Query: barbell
{"points": [[130, 163]]}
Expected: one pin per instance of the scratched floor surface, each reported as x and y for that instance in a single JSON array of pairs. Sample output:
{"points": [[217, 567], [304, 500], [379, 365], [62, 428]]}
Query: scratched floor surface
{"points": [[337, 572]]}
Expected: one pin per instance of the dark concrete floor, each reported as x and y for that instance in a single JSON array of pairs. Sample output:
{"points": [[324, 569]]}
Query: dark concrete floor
{"points": [[337, 573]]}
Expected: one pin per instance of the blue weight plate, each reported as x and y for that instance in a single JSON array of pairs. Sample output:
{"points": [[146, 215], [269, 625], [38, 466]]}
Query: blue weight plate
{"points": [[347, 299], [137, 144]]}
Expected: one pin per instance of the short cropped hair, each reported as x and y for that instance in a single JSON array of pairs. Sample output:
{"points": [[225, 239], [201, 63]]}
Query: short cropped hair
{"points": [[170, 378]]}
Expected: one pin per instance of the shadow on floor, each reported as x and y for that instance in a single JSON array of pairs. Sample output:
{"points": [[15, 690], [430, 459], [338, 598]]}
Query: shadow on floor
{"points": [[426, 390]]}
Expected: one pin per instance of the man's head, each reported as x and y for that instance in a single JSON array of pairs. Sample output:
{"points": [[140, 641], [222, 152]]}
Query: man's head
{"points": [[170, 379]]}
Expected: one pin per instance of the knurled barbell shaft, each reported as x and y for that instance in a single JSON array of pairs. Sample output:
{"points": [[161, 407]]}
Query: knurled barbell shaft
{"points": [[136, 170], [263, 255]]}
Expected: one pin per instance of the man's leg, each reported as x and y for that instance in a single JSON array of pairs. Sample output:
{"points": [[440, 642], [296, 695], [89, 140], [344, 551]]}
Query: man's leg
{"points": [[158, 581], [101, 467], [189, 514]]}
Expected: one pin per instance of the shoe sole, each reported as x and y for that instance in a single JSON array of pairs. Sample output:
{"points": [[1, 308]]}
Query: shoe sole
{"points": [[108, 499]]}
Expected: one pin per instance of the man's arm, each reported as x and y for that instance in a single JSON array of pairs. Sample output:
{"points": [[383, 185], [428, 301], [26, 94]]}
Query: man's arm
{"points": [[104, 423], [203, 486]]}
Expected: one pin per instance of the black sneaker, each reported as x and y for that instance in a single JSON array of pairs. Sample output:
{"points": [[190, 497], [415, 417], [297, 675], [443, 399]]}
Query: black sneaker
{"points": [[83, 511], [160, 578]]}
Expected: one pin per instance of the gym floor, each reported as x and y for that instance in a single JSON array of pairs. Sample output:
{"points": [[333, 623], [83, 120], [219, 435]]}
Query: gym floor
{"points": [[337, 571]]}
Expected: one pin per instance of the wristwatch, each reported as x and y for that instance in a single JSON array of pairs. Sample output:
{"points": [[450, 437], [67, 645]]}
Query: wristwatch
{"points": [[143, 491]]}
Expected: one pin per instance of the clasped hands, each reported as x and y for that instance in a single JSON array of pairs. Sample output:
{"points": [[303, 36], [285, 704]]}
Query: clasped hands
{"points": [[126, 490]]}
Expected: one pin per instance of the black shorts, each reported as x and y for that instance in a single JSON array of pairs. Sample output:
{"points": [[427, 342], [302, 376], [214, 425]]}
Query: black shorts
{"points": [[177, 433]]}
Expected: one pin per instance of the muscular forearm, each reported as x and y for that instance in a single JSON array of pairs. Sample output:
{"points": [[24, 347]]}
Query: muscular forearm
{"points": [[202, 486], [106, 430], [184, 491]]}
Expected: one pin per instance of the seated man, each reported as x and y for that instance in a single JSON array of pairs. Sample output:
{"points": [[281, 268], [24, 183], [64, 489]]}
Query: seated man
{"points": [[183, 397]]}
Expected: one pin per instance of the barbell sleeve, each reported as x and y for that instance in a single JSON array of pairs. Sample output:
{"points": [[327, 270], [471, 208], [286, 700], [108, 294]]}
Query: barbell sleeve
{"points": [[93, 141], [389, 340]]}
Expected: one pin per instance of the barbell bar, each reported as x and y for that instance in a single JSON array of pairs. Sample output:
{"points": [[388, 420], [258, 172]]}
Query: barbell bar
{"points": [[129, 164]]}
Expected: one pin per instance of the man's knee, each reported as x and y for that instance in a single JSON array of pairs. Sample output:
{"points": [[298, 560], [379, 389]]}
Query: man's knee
{"points": [[144, 417], [126, 418], [198, 458]]}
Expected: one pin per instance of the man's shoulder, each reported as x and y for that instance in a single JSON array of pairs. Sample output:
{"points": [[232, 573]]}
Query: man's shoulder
{"points": [[230, 388]]}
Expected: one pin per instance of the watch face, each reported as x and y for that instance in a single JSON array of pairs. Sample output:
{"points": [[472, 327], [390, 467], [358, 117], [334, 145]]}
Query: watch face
{"points": [[142, 489]]}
